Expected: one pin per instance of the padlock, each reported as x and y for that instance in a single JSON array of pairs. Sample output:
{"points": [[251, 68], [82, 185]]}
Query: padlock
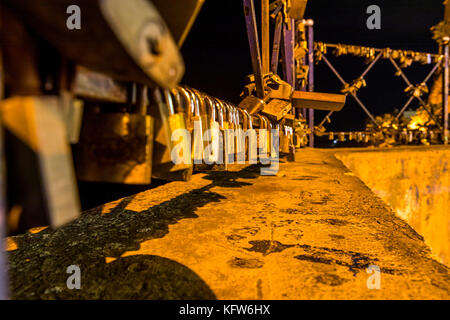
{"points": [[350, 136], [267, 127], [239, 150], [239, 136], [241, 146], [197, 134], [341, 136], [117, 147], [277, 109], [331, 136], [213, 135], [40, 178], [359, 136], [252, 104], [250, 140], [222, 163], [139, 46], [230, 154], [279, 89], [193, 122], [204, 115], [172, 156], [189, 107], [284, 140], [263, 151]]}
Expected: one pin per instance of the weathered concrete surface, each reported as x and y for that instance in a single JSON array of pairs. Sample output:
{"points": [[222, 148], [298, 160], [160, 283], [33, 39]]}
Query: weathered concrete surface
{"points": [[308, 233], [415, 182]]}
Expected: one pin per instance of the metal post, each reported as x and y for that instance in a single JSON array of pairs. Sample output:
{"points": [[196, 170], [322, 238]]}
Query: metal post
{"points": [[265, 33], [276, 43], [445, 83], [304, 88], [310, 25], [252, 32], [288, 45]]}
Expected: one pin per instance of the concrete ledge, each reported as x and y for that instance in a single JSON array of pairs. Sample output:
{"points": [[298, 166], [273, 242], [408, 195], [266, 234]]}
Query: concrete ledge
{"points": [[415, 182], [308, 233]]}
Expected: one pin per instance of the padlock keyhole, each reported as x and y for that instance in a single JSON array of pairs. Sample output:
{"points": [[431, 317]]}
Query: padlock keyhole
{"points": [[154, 46]]}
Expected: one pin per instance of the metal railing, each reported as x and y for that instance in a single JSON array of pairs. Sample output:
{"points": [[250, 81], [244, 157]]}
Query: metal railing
{"points": [[375, 55]]}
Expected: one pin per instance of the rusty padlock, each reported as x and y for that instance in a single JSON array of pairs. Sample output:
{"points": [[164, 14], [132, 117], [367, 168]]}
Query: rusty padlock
{"points": [[117, 147]]}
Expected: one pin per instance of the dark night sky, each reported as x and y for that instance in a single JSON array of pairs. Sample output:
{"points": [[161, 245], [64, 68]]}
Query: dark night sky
{"points": [[217, 56]]}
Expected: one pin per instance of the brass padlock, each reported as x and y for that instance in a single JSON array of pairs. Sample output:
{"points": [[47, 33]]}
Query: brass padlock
{"points": [[350, 136], [212, 151], [230, 134], [331, 136], [252, 104], [250, 139], [263, 151], [284, 140], [205, 115], [242, 131], [222, 163], [359, 136], [172, 157], [116, 147], [198, 129]]}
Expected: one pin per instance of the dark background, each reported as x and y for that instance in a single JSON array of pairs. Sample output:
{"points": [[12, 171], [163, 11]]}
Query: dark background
{"points": [[217, 55]]}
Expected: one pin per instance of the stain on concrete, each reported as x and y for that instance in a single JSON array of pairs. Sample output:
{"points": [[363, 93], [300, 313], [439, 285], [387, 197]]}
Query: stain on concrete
{"points": [[236, 262], [330, 279], [259, 292], [336, 236], [267, 247], [333, 222], [305, 178]]}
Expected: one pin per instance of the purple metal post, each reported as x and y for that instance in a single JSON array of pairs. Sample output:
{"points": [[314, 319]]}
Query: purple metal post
{"points": [[288, 45], [445, 83], [310, 25], [276, 44], [252, 32]]}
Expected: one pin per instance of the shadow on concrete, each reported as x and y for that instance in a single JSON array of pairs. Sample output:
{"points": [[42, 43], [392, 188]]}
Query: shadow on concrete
{"points": [[38, 267]]}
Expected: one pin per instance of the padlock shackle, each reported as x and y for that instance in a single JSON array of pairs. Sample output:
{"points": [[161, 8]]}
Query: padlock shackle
{"points": [[236, 116], [220, 108], [187, 97], [169, 101], [262, 122], [245, 124], [230, 113], [192, 106], [212, 108], [200, 98], [249, 117]]}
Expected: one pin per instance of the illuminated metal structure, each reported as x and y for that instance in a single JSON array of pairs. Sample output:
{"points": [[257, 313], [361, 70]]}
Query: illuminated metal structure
{"points": [[407, 58]]}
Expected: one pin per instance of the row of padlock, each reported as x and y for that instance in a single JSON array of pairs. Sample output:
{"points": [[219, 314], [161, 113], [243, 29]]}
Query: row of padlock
{"points": [[405, 57], [175, 133], [398, 137], [364, 137]]}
